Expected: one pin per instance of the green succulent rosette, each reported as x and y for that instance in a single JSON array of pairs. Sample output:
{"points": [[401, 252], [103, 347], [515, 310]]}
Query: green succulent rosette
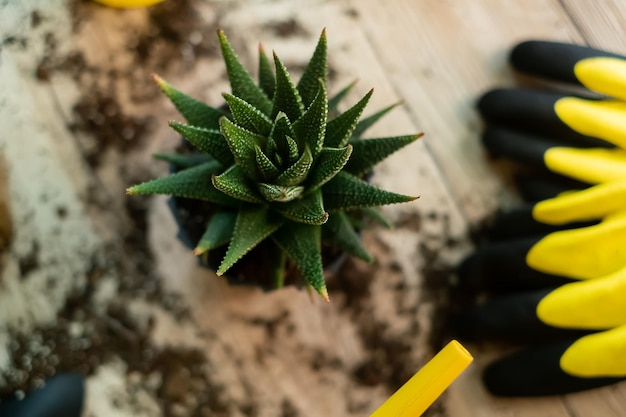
{"points": [[281, 163]]}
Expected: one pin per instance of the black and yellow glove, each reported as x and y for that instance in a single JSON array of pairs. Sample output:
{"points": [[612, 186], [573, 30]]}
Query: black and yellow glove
{"points": [[569, 135], [561, 261], [564, 116], [578, 332]]}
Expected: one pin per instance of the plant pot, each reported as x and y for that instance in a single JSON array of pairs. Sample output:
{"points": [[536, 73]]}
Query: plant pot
{"points": [[253, 269], [275, 164], [191, 217]]}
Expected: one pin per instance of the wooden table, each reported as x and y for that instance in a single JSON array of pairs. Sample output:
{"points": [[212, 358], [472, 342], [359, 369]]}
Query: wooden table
{"points": [[270, 354]]}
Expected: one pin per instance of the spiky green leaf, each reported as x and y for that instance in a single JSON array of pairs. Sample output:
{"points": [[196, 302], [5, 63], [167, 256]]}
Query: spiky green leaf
{"points": [[271, 149], [288, 159], [267, 80], [190, 183], [302, 243], [247, 116], [278, 159], [339, 130], [241, 83], [195, 112], [296, 173], [183, 160], [327, 165], [358, 218], [333, 102], [235, 183], [282, 129], [293, 151], [279, 193], [316, 70], [266, 167], [218, 232], [339, 231], [369, 121], [345, 191], [286, 96], [311, 127], [366, 153], [309, 209], [242, 145], [210, 141], [376, 215], [253, 225]]}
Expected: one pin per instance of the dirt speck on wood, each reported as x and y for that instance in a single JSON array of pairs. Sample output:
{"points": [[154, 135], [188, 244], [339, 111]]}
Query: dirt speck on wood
{"points": [[86, 336]]}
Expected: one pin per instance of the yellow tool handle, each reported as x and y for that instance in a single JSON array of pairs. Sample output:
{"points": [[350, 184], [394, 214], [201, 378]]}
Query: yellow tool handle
{"points": [[128, 3], [419, 392]]}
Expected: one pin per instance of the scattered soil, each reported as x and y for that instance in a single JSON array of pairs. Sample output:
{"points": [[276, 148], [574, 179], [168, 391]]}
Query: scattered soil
{"points": [[85, 336], [254, 267], [101, 117], [175, 32], [392, 358]]}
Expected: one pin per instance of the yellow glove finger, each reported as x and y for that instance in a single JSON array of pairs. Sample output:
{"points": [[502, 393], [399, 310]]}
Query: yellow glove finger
{"points": [[597, 355], [558, 116], [593, 304], [601, 119], [587, 252], [598, 70], [593, 166], [561, 367], [592, 203]]}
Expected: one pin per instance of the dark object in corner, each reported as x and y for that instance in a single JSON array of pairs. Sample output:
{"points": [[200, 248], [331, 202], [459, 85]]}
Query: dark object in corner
{"points": [[62, 396]]}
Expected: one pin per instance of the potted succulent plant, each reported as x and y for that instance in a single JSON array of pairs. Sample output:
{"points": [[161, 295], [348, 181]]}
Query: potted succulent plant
{"points": [[274, 183]]}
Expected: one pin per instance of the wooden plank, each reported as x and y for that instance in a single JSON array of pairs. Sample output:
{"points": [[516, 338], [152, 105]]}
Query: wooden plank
{"points": [[322, 333], [450, 53], [440, 56], [602, 23], [254, 364], [606, 402]]}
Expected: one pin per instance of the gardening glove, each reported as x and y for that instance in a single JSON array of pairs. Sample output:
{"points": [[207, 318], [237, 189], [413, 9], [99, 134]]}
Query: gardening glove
{"points": [[561, 137], [566, 134], [562, 260]]}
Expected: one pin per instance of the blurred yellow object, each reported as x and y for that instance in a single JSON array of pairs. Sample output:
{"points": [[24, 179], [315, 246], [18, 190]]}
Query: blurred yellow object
{"points": [[124, 4], [414, 397]]}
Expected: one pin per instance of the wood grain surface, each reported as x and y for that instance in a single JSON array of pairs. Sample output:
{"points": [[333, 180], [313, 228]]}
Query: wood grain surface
{"points": [[270, 354]]}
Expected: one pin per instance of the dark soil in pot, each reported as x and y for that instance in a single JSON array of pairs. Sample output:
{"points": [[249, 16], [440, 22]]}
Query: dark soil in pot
{"points": [[192, 215]]}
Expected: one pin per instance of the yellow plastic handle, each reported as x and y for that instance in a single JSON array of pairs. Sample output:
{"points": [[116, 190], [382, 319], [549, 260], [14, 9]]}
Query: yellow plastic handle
{"points": [[414, 397], [123, 4]]}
